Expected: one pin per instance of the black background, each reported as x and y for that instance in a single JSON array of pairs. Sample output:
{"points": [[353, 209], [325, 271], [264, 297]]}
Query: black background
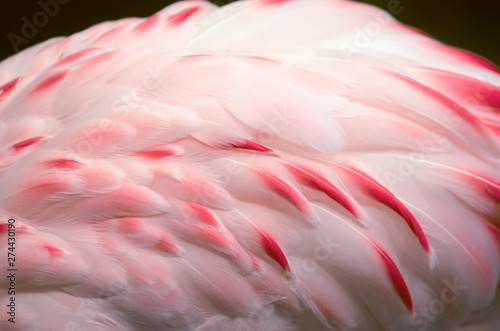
{"points": [[470, 24]]}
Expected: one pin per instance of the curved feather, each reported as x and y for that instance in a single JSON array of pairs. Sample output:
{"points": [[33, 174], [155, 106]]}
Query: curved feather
{"points": [[164, 174]]}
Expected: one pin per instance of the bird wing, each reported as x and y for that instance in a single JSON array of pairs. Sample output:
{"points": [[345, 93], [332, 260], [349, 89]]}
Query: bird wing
{"points": [[266, 165]]}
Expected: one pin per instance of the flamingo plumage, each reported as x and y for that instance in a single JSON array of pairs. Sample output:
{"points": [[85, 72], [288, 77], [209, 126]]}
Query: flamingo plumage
{"points": [[266, 165]]}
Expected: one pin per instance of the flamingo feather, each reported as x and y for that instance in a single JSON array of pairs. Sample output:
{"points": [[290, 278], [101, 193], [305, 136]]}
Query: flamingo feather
{"points": [[251, 167]]}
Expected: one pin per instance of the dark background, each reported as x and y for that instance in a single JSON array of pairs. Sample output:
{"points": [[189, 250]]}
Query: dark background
{"points": [[470, 24]]}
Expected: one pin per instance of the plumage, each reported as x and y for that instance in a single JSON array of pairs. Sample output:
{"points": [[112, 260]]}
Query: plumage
{"points": [[266, 165]]}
